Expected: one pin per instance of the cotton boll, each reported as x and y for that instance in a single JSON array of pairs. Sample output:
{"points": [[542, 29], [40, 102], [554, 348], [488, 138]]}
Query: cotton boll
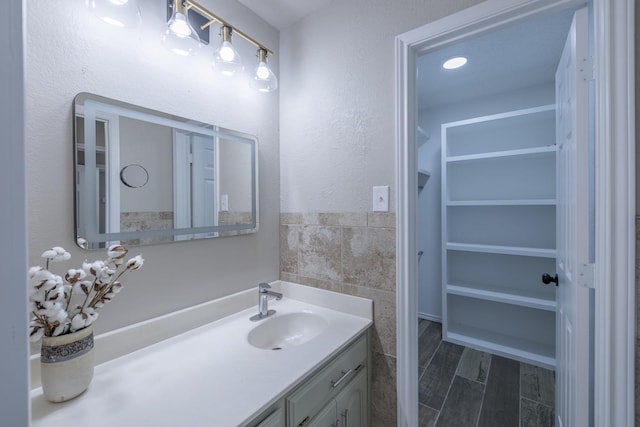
{"points": [[59, 330], [35, 333], [34, 271], [135, 263], [56, 294], [59, 316], [52, 282], [37, 295], [50, 309], [79, 321], [56, 254], [73, 275], [116, 252]]}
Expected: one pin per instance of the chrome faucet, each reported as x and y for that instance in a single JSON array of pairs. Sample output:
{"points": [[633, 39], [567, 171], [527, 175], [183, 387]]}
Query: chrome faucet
{"points": [[264, 294]]}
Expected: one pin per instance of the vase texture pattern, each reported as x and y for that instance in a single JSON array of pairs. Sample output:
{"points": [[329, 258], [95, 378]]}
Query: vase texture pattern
{"points": [[67, 364]]}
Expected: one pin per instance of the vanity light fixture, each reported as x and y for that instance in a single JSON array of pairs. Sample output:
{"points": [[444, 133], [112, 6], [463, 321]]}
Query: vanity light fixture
{"points": [[177, 34], [121, 13], [187, 29], [226, 59], [263, 79], [455, 62]]}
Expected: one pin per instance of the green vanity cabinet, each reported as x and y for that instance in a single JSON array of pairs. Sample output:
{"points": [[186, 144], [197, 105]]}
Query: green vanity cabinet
{"points": [[337, 395], [334, 395]]}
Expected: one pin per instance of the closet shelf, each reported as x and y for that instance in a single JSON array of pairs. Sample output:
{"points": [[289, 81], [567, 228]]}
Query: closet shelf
{"points": [[506, 250], [521, 202], [507, 153], [495, 295], [504, 345]]}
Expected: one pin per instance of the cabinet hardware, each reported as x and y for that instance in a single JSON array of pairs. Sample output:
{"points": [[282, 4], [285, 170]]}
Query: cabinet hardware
{"points": [[345, 417], [336, 383], [304, 422]]}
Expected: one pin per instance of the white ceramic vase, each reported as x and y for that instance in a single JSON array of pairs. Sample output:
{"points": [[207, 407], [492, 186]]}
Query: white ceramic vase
{"points": [[67, 364]]}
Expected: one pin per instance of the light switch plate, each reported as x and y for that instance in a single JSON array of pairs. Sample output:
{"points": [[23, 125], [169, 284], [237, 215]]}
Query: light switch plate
{"points": [[224, 202], [381, 198]]}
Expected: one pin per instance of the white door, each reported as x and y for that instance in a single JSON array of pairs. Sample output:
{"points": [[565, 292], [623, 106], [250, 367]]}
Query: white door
{"points": [[572, 315]]}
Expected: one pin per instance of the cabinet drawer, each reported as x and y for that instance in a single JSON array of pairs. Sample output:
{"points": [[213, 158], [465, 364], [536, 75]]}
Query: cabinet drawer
{"points": [[323, 386]]}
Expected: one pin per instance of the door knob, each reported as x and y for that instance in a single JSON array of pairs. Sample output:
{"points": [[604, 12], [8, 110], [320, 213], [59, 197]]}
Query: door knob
{"points": [[547, 278]]}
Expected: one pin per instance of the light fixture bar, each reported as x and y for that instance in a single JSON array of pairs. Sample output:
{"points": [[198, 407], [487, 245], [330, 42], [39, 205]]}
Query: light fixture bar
{"points": [[215, 18]]}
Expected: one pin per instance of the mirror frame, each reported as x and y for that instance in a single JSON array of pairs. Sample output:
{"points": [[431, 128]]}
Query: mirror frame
{"points": [[93, 238]]}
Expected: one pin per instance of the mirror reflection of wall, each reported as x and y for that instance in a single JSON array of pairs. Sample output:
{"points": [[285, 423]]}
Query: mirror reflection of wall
{"points": [[149, 207]]}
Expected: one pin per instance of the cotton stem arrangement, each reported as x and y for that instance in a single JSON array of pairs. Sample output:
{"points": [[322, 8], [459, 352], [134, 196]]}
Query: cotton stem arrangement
{"points": [[62, 305]]}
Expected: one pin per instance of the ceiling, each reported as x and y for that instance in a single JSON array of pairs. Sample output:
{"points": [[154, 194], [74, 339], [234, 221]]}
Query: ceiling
{"points": [[517, 56], [520, 55], [283, 13]]}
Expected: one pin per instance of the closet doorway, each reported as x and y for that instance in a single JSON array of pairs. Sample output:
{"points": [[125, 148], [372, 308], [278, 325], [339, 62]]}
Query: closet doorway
{"points": [[492, 310], [487, 215]]}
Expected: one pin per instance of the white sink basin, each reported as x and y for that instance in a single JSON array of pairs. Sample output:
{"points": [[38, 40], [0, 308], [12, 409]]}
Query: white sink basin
{"points": [[287, 330]]}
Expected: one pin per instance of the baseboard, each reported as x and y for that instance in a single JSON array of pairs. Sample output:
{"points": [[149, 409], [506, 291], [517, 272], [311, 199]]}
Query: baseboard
{"points": [[430, 317]]}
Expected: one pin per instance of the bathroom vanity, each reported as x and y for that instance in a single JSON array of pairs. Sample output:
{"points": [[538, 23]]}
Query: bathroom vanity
{"points": [[306, 365]]}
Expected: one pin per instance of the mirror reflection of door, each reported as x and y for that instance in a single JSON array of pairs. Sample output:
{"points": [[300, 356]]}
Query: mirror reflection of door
{"points": [[195, 185]]}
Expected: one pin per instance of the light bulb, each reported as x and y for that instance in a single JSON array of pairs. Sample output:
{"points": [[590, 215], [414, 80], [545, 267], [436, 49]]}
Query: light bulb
{"points": [[226, 59], [120, 13], [177, 34], [227, 52], [453, 63], [264, 80], [180, 27]]}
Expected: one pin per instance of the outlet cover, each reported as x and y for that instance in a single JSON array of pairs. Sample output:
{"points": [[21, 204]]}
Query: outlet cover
{"points": [[381, 198]]}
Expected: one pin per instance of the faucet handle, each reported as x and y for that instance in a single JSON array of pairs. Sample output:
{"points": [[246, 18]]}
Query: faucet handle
{"points": [[264, 286]]}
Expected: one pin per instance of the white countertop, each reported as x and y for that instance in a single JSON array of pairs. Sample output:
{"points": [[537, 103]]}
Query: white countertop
{"points": [[211, 375]]}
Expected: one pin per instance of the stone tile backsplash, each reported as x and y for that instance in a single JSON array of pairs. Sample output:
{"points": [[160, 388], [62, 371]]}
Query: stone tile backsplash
{"points": [[353, 253]]}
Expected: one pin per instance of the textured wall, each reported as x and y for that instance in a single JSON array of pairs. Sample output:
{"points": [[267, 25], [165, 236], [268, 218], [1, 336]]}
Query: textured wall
{"points": [[70, 51], [337, 106]]}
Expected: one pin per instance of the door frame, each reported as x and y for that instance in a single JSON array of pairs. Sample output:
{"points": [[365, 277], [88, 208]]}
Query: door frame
{"points": [[615, 194]]}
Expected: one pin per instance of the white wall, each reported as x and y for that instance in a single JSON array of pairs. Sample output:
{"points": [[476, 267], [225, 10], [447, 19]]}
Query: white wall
{"points": [[70, 51], [429, 200], [337, 101]]}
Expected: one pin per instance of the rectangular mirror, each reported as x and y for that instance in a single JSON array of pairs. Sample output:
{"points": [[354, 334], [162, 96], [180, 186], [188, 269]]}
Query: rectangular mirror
{"points": [[146, 177]]}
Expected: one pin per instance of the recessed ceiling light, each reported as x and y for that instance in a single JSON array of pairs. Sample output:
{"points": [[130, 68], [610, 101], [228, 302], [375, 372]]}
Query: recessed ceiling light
{"points": [[453, 63]]}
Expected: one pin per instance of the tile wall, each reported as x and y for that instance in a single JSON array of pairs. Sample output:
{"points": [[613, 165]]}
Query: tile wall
{"points": [[352, 253]]}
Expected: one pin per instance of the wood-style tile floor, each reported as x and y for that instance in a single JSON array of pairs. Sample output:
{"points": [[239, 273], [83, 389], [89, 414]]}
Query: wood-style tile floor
{"points": [[462, 387]]}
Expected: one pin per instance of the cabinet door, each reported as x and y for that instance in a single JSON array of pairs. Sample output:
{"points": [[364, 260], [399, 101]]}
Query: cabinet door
{"points": [[352, 402], [327, 417]]}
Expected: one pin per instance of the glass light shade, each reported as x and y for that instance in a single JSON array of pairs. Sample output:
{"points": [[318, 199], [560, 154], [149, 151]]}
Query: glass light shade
{"points": [[226, 59], [121, 13], [178, 35], [263, 78]]}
